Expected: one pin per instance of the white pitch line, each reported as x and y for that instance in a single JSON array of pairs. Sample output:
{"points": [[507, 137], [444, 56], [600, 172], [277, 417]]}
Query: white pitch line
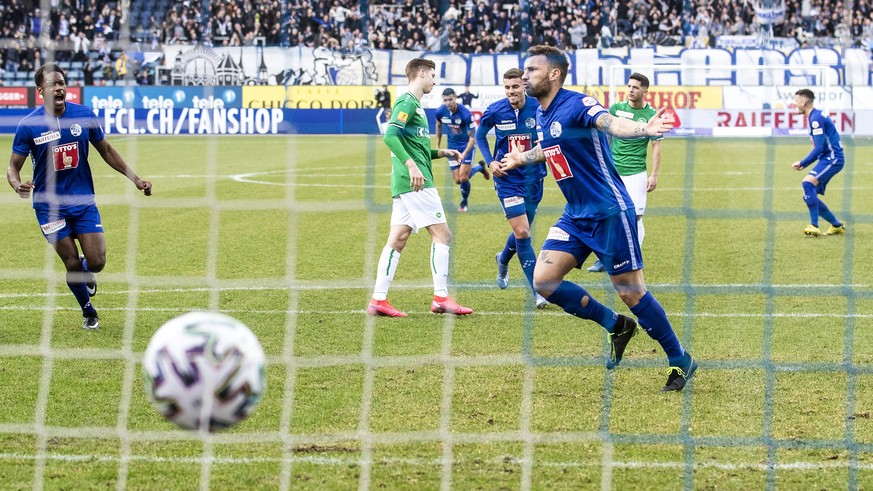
{"points": [[550, 312], [365, 284], [502, 460]]}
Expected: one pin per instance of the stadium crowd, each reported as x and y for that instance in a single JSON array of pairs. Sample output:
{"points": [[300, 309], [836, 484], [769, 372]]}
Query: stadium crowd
{"points": [[90, 30]]}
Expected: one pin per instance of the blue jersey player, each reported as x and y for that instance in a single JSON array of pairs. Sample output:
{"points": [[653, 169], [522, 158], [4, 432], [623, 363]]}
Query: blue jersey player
{"points": [[599, 216], [457, 122], [519, 190], [826, 148], [57, 137]]}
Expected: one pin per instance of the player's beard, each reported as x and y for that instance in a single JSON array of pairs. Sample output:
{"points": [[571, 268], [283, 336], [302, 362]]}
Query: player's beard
{"points": [[538, 90]]}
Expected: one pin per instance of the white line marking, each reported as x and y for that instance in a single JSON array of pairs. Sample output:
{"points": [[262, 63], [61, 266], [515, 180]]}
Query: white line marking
{"points": [[789, 315], [502, 460], [282, 284]]}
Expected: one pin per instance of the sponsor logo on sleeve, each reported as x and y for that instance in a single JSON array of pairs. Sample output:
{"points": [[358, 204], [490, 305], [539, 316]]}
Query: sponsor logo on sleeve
{"points": [[66, 156], [556, 233], [557, 162], [589, 101], [595, 110], [402, 117], [513, 201], [46, 137], [815, 124], [818, 131], [52, 227]]}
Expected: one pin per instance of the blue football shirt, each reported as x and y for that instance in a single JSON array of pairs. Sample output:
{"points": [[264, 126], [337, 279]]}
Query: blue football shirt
{"points": [[825, 140], [512, 127], [456, 125], [59, 148], [578, 155]]}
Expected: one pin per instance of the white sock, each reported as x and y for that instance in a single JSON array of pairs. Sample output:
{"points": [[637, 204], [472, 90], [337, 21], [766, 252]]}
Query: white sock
{"points": [[439, 267], [385, 272], [641, 231]]}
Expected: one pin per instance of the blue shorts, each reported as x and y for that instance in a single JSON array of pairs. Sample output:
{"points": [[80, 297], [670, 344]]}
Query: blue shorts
{"points": [[468, 160], [614, 240], [518, 199], [74, 220], [824, 171]]}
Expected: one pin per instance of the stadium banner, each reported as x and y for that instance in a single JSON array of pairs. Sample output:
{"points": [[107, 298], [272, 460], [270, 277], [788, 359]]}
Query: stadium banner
{"points": [[311, 97], [672, 97], [15, 97], [29, 97], [755, 122], [769, 12], [782, 97], [272, 121], [187, 65], [737, 41], [145, 97]]}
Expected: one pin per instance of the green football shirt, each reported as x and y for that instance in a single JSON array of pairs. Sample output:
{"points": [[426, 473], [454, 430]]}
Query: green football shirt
{"points": [[408, 136], [630, 154]]}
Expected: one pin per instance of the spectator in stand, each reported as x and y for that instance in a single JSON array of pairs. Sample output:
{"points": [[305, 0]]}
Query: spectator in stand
{"points": [[81, 45], [88, 71], [121, 66], [13, 59]]}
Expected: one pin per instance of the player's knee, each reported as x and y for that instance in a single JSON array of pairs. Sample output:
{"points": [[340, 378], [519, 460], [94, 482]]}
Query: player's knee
{"points": [[521, 233], [397, 243], [97, 264], [545, 287], [630, 296], [73, 264]]}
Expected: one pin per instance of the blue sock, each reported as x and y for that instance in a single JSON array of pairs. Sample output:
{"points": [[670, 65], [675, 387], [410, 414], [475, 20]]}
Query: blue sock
{"points": [[475, 170], [811, 198], [80, 291], [654, 321], [465, 191], [825, 212], [508, 249], [569, 297], [527, 257]]}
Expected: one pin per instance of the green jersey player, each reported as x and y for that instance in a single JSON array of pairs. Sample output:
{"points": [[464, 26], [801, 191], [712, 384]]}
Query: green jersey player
{"points": [[416, 203], [630, 154]]}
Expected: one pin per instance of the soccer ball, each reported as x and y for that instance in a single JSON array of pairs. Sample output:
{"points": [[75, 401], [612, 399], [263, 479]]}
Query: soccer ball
{"points": [[204, 367]]}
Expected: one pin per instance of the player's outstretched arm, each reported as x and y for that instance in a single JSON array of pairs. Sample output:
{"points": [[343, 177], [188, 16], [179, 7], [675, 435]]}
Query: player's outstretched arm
{"points": [[517, 158], [13, 175], [625, 128], [114, 159]]}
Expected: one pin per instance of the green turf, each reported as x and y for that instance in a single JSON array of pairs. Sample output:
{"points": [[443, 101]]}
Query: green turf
{"points": [[284, 233]]}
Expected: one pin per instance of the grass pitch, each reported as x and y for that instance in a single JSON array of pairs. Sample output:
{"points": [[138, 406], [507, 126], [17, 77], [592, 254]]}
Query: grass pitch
{"points": [[284, 234]]}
